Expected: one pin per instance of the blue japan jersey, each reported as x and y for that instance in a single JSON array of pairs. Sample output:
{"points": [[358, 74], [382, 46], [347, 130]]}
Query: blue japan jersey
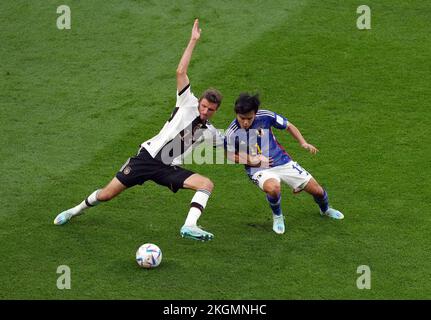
{"points": [[258, 139]]}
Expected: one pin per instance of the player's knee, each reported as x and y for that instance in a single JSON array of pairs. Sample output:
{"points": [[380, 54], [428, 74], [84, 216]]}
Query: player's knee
{"points": [[105, 195], [276, 189], [207, 184], [272, 188]]}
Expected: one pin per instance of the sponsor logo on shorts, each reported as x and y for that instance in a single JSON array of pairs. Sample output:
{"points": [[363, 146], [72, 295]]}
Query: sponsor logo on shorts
{"points": [[127, 170], [256, 179]]}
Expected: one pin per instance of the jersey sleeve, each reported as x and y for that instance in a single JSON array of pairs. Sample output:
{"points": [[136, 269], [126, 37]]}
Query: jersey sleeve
{"points": [[279, 122], [185, 98]]}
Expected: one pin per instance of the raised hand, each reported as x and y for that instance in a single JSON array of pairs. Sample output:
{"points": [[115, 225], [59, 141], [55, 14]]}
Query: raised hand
{"points": [[196, 31]]}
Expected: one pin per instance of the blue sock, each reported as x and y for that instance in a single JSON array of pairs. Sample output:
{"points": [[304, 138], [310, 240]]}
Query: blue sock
{"points": [[275, 204], [323, 202]]}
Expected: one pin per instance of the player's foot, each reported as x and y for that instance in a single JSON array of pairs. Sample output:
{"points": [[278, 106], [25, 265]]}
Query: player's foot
{"points": [[278, 224], [332, 213], [195, 233], [63, 217]]}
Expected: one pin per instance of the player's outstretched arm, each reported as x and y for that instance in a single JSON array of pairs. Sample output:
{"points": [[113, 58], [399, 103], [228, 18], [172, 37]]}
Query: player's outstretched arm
{"points": [[182, 78], [296, 134]]}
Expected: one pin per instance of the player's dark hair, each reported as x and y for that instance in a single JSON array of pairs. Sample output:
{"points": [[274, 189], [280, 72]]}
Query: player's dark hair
{"points": [[212, 95], [246, 103]]}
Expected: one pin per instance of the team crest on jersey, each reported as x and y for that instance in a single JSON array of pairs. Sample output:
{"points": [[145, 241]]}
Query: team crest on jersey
{"points": [[186, 133], [127, 170], [198, 127]]}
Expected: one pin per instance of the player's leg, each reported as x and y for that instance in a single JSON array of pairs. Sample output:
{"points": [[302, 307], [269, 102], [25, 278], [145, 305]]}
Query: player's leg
{"points": [[299, 179], [269, 182], [321, 198], [203, 187], [272, 188], [176, 178], [111, 190]]}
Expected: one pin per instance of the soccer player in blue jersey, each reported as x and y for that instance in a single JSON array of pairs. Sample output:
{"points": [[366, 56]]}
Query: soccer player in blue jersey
{"points": [[250, 140]]}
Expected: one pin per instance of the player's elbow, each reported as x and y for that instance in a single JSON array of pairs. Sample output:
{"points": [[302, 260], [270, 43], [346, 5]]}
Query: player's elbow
{"points": [[291, 127], [181, 71]]}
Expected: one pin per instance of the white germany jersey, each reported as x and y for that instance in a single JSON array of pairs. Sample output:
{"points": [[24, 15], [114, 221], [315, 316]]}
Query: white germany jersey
{"points": [[182, 132]]}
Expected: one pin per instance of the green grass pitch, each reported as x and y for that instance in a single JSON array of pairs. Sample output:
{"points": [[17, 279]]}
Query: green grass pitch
{"points": [[75, 104]]}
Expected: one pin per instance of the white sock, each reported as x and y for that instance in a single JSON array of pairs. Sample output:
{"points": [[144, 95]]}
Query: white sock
{"points": [[192, 217], [198, 204], [91, 201]]}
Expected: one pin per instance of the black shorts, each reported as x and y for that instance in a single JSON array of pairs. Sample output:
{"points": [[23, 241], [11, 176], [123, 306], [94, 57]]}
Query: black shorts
{"points": [[144, 167]]}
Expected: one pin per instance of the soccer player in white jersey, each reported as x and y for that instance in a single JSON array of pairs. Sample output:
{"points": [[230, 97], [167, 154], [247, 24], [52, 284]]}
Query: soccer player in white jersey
{"points": [[158, 158], [266, 161]]}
